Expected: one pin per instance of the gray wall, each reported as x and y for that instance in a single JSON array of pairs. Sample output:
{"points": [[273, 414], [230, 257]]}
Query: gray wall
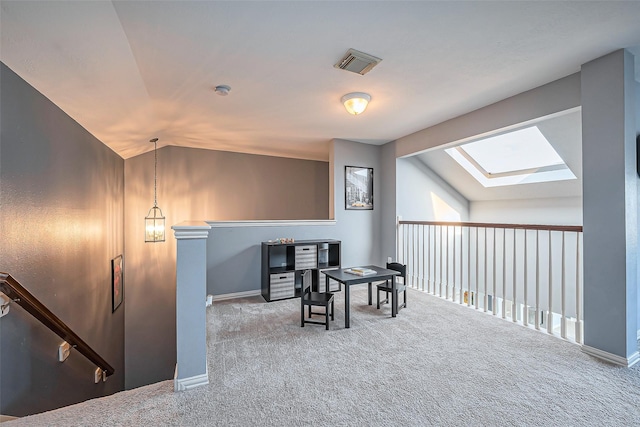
{"points": [[359, 230], [196, 184], [554, 97], [638, 133], [61, 222], [388, 210], [610, 213], [233, 252]]}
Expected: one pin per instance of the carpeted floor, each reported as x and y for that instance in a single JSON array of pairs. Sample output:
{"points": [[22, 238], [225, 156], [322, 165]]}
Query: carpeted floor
{"points": [[437, 363]]}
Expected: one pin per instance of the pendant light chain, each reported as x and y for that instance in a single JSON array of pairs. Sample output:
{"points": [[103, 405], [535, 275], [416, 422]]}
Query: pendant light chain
{"points": [[154, 221], [155, 174]]}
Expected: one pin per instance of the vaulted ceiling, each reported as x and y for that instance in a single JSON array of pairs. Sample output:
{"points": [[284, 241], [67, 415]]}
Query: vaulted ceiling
{"points": [[131, 70]]}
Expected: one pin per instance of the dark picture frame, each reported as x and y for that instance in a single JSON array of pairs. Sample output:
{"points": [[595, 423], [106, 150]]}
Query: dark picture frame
{"points": [[358, 188], [117, 282]]}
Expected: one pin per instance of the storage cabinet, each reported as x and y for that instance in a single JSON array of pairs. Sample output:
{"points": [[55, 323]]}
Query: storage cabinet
{"points": [[283, 265]]}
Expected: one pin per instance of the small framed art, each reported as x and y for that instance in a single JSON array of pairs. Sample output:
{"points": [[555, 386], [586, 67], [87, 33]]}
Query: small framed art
{"points": [[117, 284], [358, 188]]}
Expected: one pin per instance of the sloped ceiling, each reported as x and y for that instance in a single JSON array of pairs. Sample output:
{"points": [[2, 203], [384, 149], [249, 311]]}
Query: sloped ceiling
{"points": [[131, 70], [563, 132]]}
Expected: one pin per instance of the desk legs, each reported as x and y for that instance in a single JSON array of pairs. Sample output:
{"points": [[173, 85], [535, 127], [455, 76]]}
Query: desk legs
{"points": [[369, 294], [394, 297], [347, 312]]}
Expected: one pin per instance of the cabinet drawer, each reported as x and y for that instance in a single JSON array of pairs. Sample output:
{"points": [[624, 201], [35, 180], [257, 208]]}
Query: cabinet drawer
{"points": [[283, 294], [282, 279], [282, 285], [306, 257]]}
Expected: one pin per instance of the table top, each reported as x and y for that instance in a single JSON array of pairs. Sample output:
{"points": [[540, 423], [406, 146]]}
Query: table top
{"points": [[353, 279]]}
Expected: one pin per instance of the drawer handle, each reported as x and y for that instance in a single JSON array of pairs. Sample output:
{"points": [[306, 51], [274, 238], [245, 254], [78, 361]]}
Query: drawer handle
{"points": [[306, 249], [283, 277]]}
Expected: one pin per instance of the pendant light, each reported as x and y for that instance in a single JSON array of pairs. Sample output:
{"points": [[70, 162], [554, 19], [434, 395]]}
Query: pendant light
{"points": [[154, 221]]}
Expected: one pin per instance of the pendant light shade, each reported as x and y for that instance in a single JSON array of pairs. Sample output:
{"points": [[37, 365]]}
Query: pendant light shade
{"points": [[356, 102], [154, 225], [154, 221]]}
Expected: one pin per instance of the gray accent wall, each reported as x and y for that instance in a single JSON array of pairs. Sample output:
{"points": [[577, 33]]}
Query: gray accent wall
{"points": [[61, 222], [233, 252], [197, 184]]}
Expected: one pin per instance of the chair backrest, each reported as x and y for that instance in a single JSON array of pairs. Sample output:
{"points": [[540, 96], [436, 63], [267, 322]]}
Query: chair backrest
{"points": [[307, 281], [398, 267]]}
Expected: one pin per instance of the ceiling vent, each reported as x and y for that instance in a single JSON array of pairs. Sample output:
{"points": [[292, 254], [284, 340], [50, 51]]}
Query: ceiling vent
{"points": [[357, 62]]}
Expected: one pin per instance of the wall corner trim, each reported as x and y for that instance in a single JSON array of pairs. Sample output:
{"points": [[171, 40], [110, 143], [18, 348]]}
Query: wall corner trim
{"points": [[612, 358], [191, 382], [191, 230]]}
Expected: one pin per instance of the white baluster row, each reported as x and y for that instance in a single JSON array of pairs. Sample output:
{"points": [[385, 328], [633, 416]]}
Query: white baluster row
{"points": [[435, 258]]}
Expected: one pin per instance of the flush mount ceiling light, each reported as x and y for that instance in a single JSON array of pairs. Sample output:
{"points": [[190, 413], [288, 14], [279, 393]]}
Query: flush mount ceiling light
{"points": [[222, 90], [356, 102], [154, 221]]}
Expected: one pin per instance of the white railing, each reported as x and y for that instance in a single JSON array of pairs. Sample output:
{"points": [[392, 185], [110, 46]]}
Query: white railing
{"points": [[529, 274]]}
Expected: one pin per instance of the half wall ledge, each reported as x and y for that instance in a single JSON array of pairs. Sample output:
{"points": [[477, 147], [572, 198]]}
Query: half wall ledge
{"points": [[191, 230]]}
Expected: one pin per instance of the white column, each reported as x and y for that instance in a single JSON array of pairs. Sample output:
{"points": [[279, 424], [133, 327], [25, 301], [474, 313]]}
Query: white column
{"points": [[610, 208], [191, 319]]}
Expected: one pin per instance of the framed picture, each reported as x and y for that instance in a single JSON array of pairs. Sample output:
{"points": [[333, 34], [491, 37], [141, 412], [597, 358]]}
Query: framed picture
{"points": [[117, 284], [358, 188]]}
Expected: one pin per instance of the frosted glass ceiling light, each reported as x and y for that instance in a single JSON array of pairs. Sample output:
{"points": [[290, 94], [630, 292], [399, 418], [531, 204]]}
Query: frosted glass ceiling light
{"points": [[356, 102], [154, 221]]}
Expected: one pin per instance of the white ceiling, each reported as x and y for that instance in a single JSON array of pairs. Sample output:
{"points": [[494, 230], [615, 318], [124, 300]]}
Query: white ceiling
{"points": [[131, 70]]}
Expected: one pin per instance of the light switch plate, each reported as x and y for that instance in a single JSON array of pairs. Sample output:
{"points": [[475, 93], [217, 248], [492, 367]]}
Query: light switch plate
{"points": [[63, 351], [4, 304]]}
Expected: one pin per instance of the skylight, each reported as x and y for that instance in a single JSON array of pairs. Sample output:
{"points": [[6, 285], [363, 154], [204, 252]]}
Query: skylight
{"points": [[519, 157]]}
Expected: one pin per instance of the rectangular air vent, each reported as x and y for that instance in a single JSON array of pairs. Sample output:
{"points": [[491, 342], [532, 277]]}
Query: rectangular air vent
{"points": [[357, 62]]}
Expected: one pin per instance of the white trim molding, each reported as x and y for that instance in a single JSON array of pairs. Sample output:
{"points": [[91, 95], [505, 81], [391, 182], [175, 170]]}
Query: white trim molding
{"points": [[235, 295], [191, 230], [191, 382], [612, 358], [272, 223]]}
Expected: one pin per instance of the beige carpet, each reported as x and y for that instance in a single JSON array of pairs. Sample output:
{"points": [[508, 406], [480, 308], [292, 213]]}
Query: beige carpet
{"points": [[437, 363]]}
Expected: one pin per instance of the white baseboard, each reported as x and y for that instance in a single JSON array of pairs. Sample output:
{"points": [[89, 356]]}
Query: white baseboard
{"points": [[191, 382], [235, 295], [612, 358]]}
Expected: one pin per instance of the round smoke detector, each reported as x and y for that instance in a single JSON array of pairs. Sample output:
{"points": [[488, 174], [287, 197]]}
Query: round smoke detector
{"points": [[222, 90]]}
